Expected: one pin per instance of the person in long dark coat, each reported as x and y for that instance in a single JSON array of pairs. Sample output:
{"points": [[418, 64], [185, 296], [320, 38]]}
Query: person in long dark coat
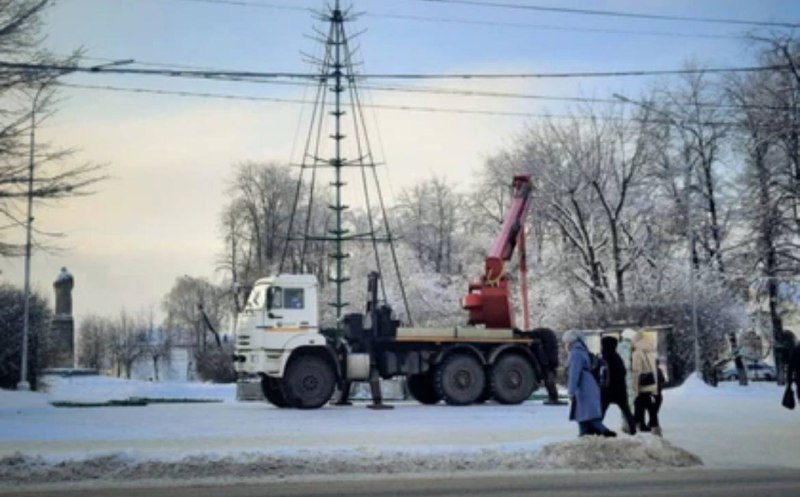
{"points": [[617, 390], [584, 391], [793, 371]]}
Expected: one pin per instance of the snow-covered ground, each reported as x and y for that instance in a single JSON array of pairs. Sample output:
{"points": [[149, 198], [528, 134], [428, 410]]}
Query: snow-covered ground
{"points": [[730, 426]]}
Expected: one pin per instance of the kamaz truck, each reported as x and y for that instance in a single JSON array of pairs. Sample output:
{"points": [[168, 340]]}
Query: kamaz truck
{"points": [[300, 363]]}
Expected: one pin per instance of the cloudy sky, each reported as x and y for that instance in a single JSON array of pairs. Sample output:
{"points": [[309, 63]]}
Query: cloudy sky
{"points": [[170, 157]]}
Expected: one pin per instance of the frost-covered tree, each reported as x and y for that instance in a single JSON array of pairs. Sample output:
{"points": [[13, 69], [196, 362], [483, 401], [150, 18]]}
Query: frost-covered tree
{"points": [[255, 222], [432, 221], [589, 171], [691, 140], [768, 123]]}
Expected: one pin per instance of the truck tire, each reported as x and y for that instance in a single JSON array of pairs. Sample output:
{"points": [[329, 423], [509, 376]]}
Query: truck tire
{"points": [[271, 387], [460, 379], [420, 386], [512, 379], [308, 382]]}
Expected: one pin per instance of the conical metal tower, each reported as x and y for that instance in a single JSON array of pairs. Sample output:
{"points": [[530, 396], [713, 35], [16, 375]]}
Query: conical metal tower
{"points": [[338, 79]]}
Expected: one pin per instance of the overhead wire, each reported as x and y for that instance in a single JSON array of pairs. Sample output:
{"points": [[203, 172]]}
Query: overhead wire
{"points": [[547, 27], [247, 3], [474, 22], [429, 109], [266, 75], [437, 90], [615, 13]]}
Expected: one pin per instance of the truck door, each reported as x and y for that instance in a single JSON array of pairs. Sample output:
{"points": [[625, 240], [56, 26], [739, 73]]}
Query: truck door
{"points": [[288, 308]]}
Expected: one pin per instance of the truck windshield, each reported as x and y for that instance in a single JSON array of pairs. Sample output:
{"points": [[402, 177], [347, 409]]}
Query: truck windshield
{"points": [[257, 299]]}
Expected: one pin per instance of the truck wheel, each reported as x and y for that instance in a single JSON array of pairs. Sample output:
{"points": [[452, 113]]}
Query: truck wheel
{"points": [[308, 382], [420, 386], [512, 379], [271, 387], [460, 379]]}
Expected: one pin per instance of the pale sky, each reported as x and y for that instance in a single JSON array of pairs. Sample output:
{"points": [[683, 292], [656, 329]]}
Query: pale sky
{"points": [[169, 157]]}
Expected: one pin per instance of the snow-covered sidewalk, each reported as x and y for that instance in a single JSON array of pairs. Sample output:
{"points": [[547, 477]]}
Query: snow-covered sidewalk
{"points": [[726, 427]]}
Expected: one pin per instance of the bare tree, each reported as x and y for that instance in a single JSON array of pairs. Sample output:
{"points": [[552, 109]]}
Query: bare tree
{"points": [[93, 342], [158, 344], [27, 98], [559, 157], [431, 222], [692, 148], [183, 312], [127, 343], [774, 248]]}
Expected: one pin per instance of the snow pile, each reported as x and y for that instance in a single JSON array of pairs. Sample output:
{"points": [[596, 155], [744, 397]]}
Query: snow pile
{"points": [[598, 453], [104, 388], [587, 453], [695, 387]]}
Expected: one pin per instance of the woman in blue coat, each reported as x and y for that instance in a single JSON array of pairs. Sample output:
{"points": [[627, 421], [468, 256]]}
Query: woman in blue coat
{"points": [[584, 391]]}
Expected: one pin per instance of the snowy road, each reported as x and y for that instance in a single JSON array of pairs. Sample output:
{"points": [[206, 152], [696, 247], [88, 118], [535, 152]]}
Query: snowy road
{"points": [[727, 427]]}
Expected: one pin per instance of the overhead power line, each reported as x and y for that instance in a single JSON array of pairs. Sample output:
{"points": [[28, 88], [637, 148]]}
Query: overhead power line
{"points": [[225, 96], [448, 110], [474, 22], [546, 27], [617, 13], [246, 3], [437, 90], [259, 75]]}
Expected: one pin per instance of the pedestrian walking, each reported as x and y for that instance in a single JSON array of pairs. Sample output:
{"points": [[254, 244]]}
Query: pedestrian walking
{"points": [[644, 368], [792, 375], [617, 390], [583, 389]]}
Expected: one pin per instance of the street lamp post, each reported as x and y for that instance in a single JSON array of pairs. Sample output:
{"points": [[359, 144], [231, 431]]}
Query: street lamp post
{"points": [[23, 381], [690, 226]]}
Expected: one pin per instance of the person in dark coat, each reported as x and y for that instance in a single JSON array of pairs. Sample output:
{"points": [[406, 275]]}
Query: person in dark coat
{"points": [[584, 391], [547, 354], [617, 390], [793, 371]]}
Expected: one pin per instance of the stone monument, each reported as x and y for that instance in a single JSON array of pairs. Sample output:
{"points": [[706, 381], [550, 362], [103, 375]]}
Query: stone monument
{"points": [[62, 329]]}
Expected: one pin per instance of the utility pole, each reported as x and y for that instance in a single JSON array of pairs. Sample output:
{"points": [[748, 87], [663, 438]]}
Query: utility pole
{"points": [[23, 370]]}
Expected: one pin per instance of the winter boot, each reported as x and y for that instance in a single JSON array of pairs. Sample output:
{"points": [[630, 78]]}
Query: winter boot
{"points": [[657, 431], [609, 434]]}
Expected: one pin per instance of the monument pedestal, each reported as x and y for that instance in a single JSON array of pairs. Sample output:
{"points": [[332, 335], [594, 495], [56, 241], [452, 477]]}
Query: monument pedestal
{"points": [[62, 342], [61, 339]]}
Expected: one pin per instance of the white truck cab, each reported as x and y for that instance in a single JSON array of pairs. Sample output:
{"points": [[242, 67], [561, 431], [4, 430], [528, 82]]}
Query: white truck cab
{"points": [[280, 316]]}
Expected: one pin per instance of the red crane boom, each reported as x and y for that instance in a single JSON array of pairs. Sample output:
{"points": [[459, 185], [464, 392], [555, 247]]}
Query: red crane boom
{"points": [[489, 301]]}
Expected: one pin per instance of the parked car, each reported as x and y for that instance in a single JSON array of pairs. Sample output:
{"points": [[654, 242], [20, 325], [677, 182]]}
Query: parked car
{"points": [[755, 371]]}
